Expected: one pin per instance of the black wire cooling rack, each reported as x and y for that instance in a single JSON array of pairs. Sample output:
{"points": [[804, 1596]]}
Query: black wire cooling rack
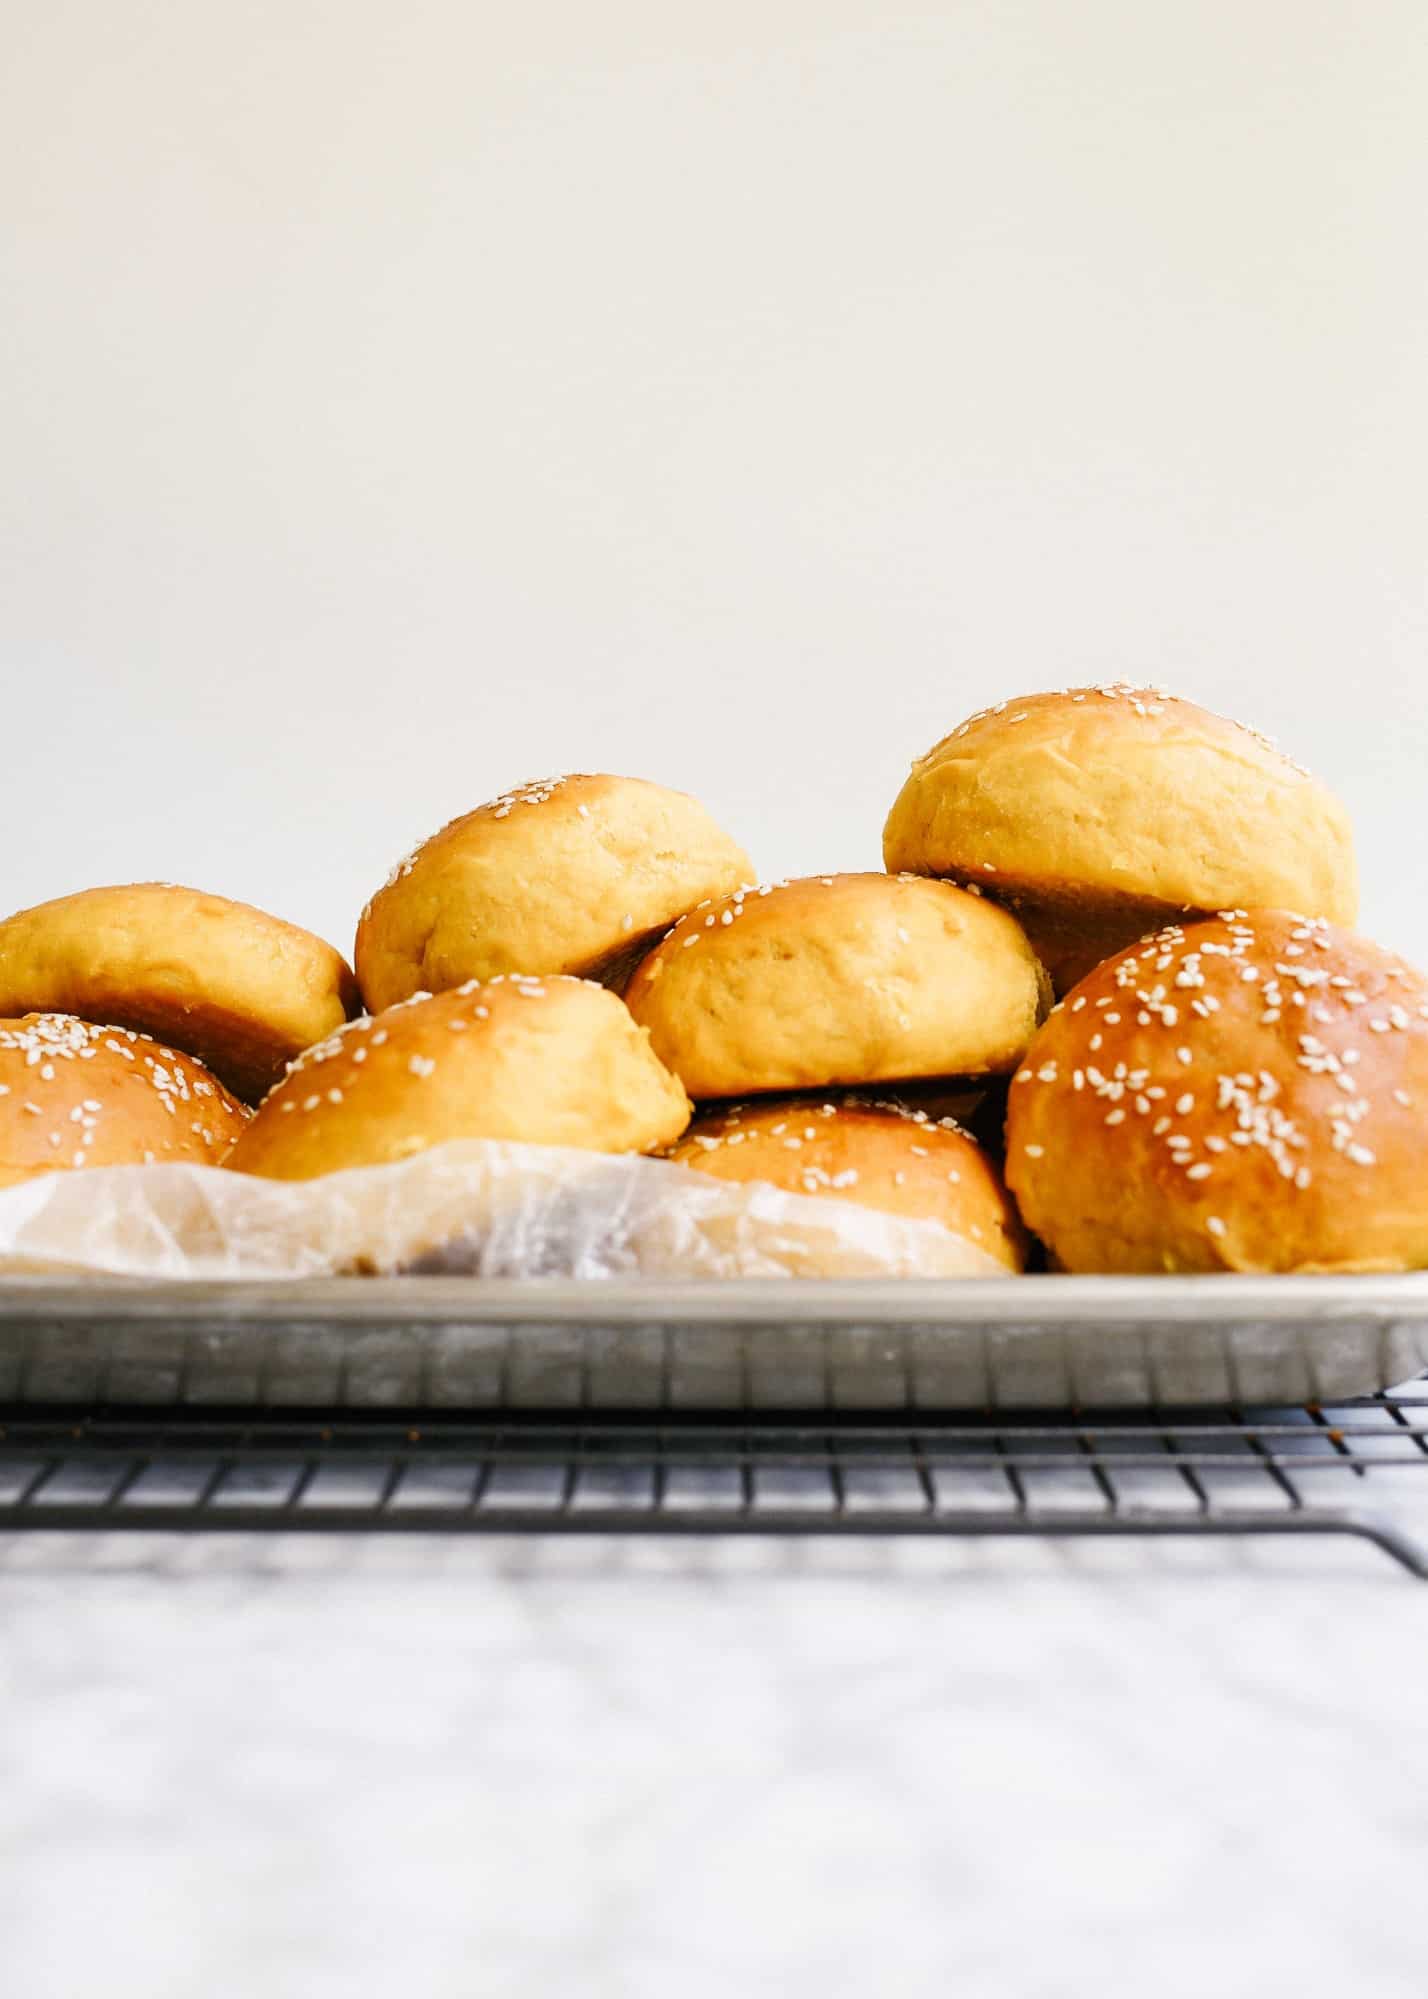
{"points": [[1360, 1468]]}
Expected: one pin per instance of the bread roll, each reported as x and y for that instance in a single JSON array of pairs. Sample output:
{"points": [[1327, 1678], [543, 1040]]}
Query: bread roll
{"points": [[1098, 813], [570, 874], [74, 1095], [875, 1154], [1248, 1093], [554, 1061], [839, 979], [241, 990]]}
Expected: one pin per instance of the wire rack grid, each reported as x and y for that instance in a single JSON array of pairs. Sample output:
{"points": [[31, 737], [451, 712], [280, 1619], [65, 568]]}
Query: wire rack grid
{"points": [[1360, 1468]]}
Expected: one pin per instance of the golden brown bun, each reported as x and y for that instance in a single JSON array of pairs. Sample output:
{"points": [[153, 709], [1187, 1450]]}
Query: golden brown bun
{"points": [[876, 1154], [839, 979], [73, 1095], [241, 990], [569, 874], [1098, 814], [1249, 1093], [553, 1061]]}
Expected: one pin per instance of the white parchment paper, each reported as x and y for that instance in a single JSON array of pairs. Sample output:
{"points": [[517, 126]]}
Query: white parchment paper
{"points": [[490, 1209]]}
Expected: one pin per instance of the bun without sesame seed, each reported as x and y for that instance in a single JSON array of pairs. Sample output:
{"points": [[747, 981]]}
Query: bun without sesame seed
{"points": [[876, 1154], [570, 874], [241, 990], [74, 1095], [1099, 813], [1247, 1093], [554, 1061], [839, 979]]}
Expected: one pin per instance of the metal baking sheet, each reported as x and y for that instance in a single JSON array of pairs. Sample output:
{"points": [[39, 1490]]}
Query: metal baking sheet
{"points": [[417, 1343]]}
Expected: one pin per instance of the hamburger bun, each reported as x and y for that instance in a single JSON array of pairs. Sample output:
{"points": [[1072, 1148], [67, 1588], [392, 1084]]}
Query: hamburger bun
{"points": [[241, 990], [875, 1154], [74, 1095], [553, 1061], [1247, 1093], [1099, 813], [570, 874], [839, 979]]}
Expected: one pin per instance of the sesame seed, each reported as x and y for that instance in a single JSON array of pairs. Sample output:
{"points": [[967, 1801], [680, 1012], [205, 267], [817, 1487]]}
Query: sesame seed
{"points": [[1214, 1225]]}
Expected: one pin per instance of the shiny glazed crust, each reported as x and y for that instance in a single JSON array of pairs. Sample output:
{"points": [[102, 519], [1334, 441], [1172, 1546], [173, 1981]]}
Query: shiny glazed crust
{"points": [[879, 1155], [1247, 1093], [74, 1095]]}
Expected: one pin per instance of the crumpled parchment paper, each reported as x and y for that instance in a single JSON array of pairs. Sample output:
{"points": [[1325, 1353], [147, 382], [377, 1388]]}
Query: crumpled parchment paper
{"points": [[490, 1209]]}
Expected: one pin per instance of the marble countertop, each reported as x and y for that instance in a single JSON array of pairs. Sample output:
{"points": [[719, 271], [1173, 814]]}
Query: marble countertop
{"points": [[305, 1766]]}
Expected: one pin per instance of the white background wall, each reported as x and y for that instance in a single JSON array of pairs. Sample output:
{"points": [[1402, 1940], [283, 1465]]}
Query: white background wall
{"points": [[400, 400]]}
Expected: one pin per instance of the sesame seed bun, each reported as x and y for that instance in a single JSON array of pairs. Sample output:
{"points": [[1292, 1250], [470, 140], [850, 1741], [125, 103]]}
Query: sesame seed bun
{"points": [[569, 874], [1248, 1093], [241, 990], [839, 979], [875, 1154], [74, 1095], [1099, 813], [553, 1061]]}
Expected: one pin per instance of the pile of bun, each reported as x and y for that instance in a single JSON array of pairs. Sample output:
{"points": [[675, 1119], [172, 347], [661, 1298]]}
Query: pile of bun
{"points": [[1102, 1012]]}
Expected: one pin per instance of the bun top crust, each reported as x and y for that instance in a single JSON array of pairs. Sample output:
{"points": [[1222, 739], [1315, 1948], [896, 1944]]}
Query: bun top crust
{"points": [[554, 1061], [839, 979], [241, 990], [878, 1155], [1247, 1093], [568, 874], [1122, 795], [74, 1095]]}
